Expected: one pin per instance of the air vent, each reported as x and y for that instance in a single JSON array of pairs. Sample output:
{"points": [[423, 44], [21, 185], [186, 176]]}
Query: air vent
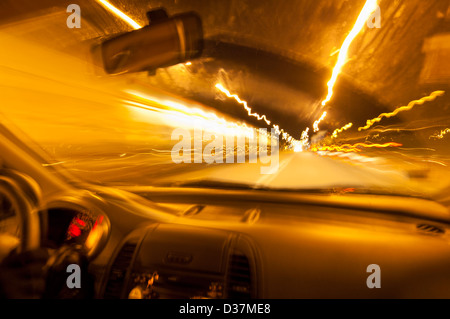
{"points": [[239, 277], [427, 228], [116, 278]]}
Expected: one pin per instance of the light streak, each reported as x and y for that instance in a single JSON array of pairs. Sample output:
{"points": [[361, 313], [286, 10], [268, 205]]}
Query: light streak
{"points": [[370, 145], [437, 162], [304, 141], [441, 135], [369, 7], [408, 107], [293, 143], [177, 114], [317, 122], [243, 103], [393, 128], [305, 134], [353, 147], [52, 164], [335, 52], [120, 14], [340, 130]]}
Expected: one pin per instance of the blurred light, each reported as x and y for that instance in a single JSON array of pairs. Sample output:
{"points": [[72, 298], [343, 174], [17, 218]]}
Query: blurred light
{"points": [[244, 103], [441, 135], [95, 234], [120, 14], [367, 10], [304, 141], [176, 114], [353, 147], [284, 135], [316, 123], [53, 164], [340, 130], [74, 230], [408, 107], [80, 222], [298, 146], [437, 162]]}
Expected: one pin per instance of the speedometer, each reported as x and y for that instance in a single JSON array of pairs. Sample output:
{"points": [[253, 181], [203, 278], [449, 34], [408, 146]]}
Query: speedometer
{"points": [[79, 228], [76, 221], [86, 230]]}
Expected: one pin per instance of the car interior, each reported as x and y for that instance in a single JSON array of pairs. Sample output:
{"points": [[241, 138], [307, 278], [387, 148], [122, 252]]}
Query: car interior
{"points": [[90, 115]]}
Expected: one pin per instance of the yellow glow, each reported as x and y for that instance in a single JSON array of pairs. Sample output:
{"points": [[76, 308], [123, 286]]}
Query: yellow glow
{"points": [[316, 123], [93, 237], [304, 135], [441, 135], [367, 10], [408, 107], [176, 114], [243, 103], [293, 143], [120, 14], [340, 130], [298, 147], [353, 147]]}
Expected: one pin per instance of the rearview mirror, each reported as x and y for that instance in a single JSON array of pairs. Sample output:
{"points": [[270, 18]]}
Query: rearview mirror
{"points": [[165, 41]]}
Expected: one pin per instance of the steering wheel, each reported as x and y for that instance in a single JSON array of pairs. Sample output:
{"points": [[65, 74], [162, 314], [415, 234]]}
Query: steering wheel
{"points": [[19, 199]]}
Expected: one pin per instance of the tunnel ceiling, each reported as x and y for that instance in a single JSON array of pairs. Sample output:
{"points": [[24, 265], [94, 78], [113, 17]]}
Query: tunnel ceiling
{"points": [[386, 66]]}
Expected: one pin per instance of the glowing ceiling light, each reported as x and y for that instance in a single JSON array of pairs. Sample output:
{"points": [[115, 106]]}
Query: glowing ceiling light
{"points": [[408, 107], [317, 122], [284, 135], [243, 103], [340, 130], [367, 10], [305, 134], [369, 7], [120, 14]]}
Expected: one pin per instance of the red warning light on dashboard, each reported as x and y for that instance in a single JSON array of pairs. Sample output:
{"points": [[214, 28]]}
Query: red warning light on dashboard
{"points": [[80, 222], [74, 230]]}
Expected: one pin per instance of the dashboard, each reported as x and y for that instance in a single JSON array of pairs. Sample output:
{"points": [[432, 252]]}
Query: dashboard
{"points": [[161, 246], [172, 261], [198, 243]]}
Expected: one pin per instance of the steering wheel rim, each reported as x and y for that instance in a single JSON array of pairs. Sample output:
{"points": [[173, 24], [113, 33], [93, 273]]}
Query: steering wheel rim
{"points": [[24, 195]]}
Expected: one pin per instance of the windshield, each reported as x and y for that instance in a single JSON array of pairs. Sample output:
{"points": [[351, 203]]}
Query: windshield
{"points": [[349, 95]]}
